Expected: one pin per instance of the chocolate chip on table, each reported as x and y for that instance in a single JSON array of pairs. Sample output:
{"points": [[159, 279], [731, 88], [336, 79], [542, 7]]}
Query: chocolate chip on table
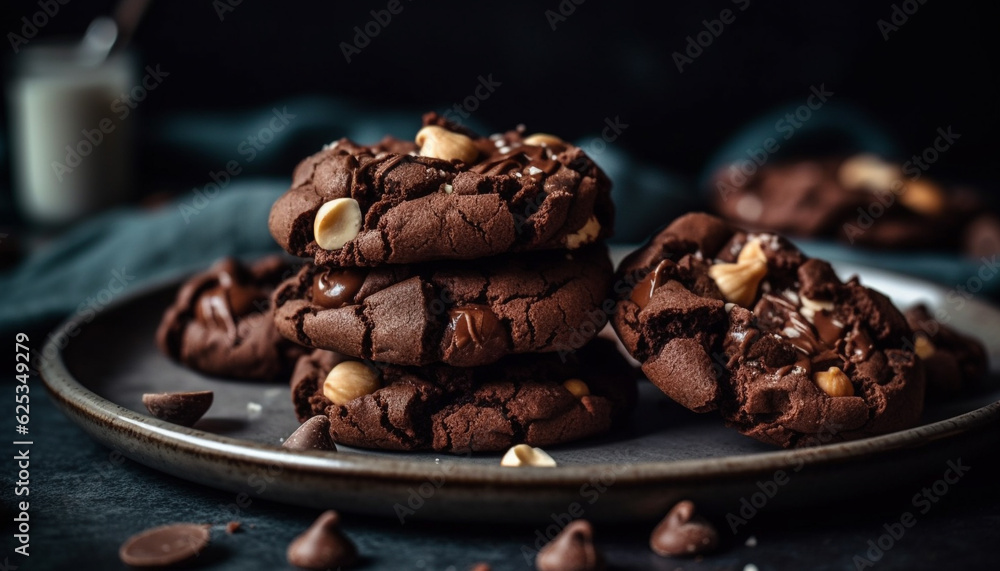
{"points": [[683, 533], [165, 546], [572, 550], [323, 546], [180, 408], [314, 434]]}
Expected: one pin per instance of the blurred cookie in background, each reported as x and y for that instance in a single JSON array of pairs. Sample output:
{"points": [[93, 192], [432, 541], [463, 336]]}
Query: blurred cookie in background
{"points": [[861, 200]]}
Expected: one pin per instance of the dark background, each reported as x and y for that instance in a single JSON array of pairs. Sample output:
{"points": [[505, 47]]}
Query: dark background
{"points": [[606, 59]]}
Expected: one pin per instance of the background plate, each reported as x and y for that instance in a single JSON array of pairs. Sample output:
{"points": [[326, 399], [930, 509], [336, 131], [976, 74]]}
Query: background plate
{"points": [[665, 454]]}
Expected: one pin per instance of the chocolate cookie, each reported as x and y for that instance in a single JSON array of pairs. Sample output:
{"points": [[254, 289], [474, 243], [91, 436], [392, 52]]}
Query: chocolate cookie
{"points": [[222, 323], [450, 195], [861, 200], [532, 399], [747, 324], [953, 361], [464, 313]]}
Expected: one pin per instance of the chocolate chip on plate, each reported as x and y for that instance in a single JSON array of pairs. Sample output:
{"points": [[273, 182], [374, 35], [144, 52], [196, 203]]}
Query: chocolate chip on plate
{"points": [[180, 408], [165, 546], [323, 545], [683, 533], [314, 434], [572, 549]]}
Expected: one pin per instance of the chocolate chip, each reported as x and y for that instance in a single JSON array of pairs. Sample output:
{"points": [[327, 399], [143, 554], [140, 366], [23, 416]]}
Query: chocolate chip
{"points": [[323, 546], [683, 533], [572, 549], [474, 331], [314, 434], [233, 526], [336, 288], [165, 546], [180, 408]]}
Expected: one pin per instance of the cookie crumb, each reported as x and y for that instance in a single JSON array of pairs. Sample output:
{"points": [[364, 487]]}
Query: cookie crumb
{"points": [[232, 527]]}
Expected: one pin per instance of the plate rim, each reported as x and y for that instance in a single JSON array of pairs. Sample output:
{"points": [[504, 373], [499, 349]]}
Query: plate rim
{"points": [[103, 415]]}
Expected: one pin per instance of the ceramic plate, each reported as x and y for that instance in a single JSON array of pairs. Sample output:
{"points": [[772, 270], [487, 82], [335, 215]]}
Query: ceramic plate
{"points": [[665, 453]]}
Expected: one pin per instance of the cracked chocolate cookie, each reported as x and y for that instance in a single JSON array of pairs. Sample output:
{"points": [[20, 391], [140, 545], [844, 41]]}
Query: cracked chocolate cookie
{"points": [[953, 361], [861, 200], [746, 324], [461, 313], [534, 399], [451, 194], [222, 323]]}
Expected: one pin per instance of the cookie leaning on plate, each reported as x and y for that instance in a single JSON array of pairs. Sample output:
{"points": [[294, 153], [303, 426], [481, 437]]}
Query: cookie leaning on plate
{"points": [[451, 194], [523, 399], [746, 324], [222, 323], [463, 313], [953, 361]]}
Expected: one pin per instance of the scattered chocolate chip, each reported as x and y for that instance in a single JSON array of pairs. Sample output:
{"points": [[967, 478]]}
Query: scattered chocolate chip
{"points": [[314, 434], [323, 546], [165, 545], [180, 408], [573, 549], [683, 533], [233, 526]]}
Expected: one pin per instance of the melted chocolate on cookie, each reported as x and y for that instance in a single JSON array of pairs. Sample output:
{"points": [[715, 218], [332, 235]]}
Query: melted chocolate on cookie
{"points": [[335, 288]]}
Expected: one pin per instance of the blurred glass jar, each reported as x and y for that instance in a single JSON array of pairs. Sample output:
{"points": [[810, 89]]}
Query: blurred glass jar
{"points": [[71, 131]]}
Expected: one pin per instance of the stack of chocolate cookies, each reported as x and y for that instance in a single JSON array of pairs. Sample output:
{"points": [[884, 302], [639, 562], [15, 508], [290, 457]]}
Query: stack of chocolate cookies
{"points": [[455, 284]]}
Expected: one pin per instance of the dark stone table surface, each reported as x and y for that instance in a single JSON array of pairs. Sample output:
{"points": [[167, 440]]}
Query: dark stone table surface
{"points": [[86, 499]]}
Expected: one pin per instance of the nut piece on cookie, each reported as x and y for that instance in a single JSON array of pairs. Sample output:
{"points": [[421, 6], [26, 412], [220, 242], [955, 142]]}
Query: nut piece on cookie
{"points": [[524, 455], [577, 388], [810, 307], [924, 197], [834, 382], [738, 282], [543, 140], [350, 380], [585, 235], [923, 347], [869, 172], [441, 143], [337, 223]]}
